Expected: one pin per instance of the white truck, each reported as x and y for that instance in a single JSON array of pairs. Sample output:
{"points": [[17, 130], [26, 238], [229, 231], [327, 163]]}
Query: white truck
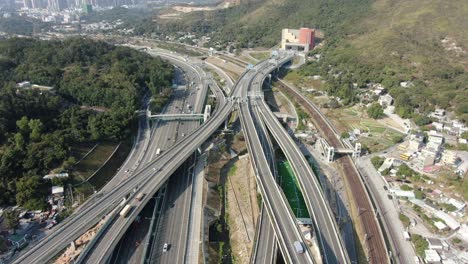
{"points": [[158, 151], [298, 246], [125, 211]]}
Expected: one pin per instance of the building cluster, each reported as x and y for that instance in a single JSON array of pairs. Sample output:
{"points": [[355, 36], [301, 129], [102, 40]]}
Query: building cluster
{"points": [[302, 39], [58, 5], [429, 155], [439, 251]]}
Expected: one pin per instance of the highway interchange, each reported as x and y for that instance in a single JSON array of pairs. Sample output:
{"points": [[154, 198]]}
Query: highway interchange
{"points": [[146, 172]]}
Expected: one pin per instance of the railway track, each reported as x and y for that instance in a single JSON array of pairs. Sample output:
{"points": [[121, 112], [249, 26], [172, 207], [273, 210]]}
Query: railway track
{"points": [[373, 236]]}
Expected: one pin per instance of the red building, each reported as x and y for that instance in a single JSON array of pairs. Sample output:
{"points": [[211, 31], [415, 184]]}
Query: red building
{"points": [[306, 37]]}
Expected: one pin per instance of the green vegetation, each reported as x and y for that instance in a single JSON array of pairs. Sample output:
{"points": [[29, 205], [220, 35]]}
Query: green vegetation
{"points": [[418, 194], [22, 25], [375, 111], [448, 207], [406, 187], [404, 219], [420, 244], [290, 187], [365, 41], [377, 161], [232, 171], [405, 171], [97, 88], [11, 219], [260, 55], [464, 135], [301, 115], [344, 134]]}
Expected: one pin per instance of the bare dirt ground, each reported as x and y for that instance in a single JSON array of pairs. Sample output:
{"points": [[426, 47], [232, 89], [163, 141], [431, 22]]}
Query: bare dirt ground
{"points": [[72, 252], [229, 67], [242, 209]]}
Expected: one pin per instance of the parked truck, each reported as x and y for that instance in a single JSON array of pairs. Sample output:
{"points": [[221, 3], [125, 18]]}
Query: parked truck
{"points": [[299, 247]]}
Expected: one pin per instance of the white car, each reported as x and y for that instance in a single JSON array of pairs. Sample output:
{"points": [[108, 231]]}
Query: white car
{"points": [[165, 247]]}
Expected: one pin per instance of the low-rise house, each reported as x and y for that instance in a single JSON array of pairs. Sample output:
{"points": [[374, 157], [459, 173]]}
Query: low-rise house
{"points": [[385, 100], [55, 175], [406, 84], [458, 204], [431, 256], [57, 191], [451, 139], [435, 137], [441, 226], [450, 157], [401, 193], [438, 126], [438, 113], [434, 243]]}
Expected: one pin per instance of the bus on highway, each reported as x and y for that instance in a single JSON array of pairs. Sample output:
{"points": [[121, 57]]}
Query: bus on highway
{"points": [[125, 210]]}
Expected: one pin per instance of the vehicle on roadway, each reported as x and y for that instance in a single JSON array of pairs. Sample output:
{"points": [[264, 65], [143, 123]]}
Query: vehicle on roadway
{"points": [[165, 247], [158, 151], [125, 211], [124, 200], [140, 196], [299, 247]]}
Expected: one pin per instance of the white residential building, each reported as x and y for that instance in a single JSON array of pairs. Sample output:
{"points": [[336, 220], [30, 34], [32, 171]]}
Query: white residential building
{"points": [[385, 100], [438, 126], [432, 256], [435, 137]]}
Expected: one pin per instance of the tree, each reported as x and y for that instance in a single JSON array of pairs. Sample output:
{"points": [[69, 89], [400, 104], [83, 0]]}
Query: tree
{"points": [[30, 193], [377, 161], [11, 219], [464, 135], [35, 126], [418, 194], [375, 111], [345, 135]]}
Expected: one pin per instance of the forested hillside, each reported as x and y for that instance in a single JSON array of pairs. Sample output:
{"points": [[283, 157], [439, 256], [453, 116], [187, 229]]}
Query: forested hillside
{"points": [[37, 129], [386, 41]]}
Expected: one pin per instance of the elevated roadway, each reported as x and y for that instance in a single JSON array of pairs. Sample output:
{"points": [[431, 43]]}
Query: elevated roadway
{"points": [[167, 134], [280, 214], [372, 235], [152, 175], [330, 242]]}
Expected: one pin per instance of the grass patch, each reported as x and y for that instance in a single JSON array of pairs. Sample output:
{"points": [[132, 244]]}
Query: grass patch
{"points": [[378, 138], [106, 173], [404, 219], [94, 160], [261, 55], [290, 187], [232, 171]]}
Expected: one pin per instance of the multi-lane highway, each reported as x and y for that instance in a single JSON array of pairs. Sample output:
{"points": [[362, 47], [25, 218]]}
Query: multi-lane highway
{"points": [[280, 214], [151, 176], [164, 135], [152, 171], [265, 250], [326, 227]]}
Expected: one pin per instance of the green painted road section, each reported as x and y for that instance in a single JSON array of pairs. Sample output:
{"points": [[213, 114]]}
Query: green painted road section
{"points": [[288, 183]]}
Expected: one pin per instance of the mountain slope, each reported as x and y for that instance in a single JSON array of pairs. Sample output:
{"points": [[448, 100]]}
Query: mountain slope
{"points": [[386, 41]]}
